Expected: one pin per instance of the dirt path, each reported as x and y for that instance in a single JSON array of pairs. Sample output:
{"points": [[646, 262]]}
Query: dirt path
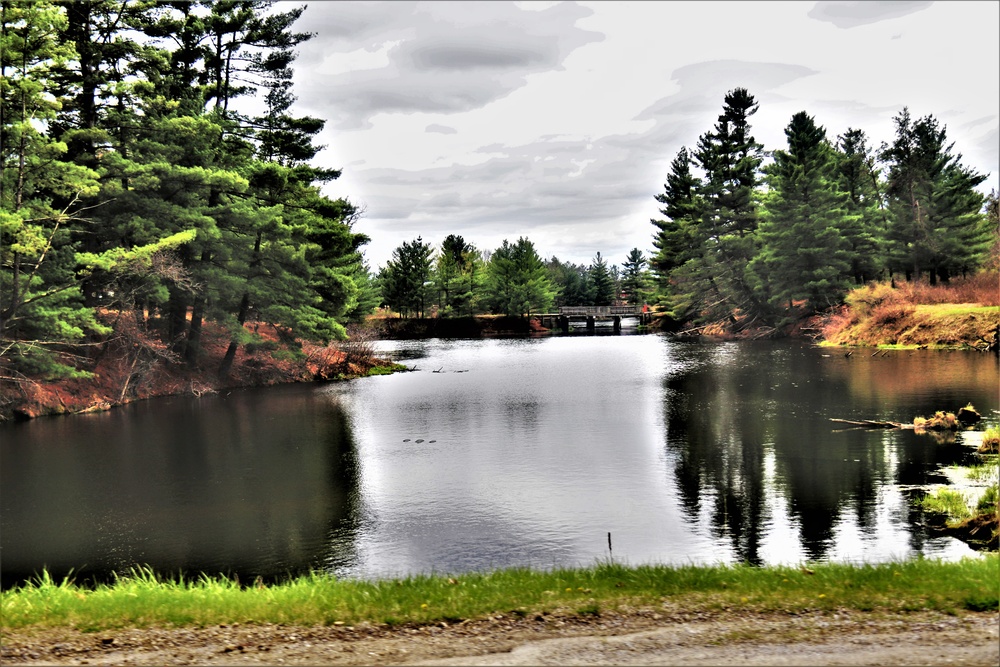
{"points": [[636, 638]]}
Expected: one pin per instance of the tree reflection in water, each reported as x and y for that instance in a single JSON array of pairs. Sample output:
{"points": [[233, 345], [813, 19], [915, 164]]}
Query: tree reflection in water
{"points": [[728, 406]]}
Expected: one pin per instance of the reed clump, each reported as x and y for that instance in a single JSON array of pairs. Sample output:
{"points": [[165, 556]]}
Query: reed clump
{"points": [[991, 441]]}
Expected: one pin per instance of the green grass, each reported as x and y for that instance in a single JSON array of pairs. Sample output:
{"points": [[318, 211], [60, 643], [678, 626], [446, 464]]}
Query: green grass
{"points": [[142, 600], [386, 370], [947, 501], [988, 471], [950, 309]]}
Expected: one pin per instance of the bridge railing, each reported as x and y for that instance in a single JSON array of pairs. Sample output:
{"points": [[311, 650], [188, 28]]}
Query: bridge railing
{"points": [[600, 311]]}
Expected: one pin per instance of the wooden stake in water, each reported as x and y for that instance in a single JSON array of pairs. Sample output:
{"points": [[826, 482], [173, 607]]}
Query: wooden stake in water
{"points": [[609, 546]]}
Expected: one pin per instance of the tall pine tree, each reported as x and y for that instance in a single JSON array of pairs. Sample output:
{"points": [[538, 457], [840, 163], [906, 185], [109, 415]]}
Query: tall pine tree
{"points": [[802, 252], [863, 227], [936, 224], [730, 158]]}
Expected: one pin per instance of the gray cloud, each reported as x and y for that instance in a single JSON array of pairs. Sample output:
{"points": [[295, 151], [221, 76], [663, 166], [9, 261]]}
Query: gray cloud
{"points": [[469, 55], [440, 129], [987, 149], [977, 122], [448, 57], [547, 189], [853, 14], [703, 85]]}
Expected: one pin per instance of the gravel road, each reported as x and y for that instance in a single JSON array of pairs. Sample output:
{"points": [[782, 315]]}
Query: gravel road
{"points": [[640, 637]]}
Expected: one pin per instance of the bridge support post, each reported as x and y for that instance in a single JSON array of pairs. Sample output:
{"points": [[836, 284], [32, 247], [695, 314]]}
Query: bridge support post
{"points": [[590, 323], [618, 324], [564, 324]]}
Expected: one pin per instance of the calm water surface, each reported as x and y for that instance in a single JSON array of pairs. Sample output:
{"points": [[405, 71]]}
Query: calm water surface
{"points": [[500, 452]]}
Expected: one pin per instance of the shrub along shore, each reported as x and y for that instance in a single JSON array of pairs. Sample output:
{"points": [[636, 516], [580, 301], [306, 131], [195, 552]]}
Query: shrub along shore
{"points": [[144, 600], [963, 314]]}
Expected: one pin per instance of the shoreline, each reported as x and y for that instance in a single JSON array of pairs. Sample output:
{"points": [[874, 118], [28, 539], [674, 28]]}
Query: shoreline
{"points": [[873, 318]]}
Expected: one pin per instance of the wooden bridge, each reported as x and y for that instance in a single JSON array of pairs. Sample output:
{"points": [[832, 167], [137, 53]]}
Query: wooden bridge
{"points": [[591, 314]]}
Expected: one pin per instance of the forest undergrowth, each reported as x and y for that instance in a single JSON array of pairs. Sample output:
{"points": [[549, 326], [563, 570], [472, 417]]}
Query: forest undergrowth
{"points": [[133, 364]]}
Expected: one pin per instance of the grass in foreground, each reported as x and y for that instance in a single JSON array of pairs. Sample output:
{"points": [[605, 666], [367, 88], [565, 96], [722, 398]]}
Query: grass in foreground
{"points": [[142, 600]]}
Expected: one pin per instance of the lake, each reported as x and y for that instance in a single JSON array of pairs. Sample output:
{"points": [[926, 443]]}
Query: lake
{"points": [[501, 452]]}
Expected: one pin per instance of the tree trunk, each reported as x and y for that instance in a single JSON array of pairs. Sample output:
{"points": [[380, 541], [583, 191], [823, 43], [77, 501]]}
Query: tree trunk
{"points": [[192, 349], [227, 361]]}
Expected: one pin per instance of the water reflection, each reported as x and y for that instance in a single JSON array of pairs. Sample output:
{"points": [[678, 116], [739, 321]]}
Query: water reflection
{"points": [[748, 425], [252, 484]]}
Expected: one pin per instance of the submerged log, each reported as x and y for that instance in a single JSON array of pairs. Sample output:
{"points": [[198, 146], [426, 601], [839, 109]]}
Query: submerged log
{"points": [[941, 421], [867, 423]]}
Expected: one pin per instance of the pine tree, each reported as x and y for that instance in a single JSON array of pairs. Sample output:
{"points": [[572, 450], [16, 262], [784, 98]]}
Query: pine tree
{"points": [[41, 191], [863, 227], [517, 281], [635, 277], [731, 158], [802, 252], [569, 281], [602, 283], [675, 236], [404, 278], [455, 276], [936, 224]]}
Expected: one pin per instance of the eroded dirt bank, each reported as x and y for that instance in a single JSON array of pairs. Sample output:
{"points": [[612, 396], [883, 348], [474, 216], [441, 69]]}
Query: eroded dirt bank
{"points": [[639, 637]]}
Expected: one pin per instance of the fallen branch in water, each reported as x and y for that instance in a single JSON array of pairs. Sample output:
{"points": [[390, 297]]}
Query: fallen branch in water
{"points": [[941, 421], [867, 423]]}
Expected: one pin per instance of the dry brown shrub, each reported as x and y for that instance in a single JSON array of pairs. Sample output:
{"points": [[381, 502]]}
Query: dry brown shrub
{"points": [[890, 313], [982, 288], [864, 300]]}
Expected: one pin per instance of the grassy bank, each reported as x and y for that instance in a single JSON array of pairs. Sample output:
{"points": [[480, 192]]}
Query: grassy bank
{"points": [[963, 314], [143, 600]]}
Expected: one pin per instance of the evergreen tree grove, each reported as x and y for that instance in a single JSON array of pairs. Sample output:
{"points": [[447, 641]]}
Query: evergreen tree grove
{"points": [[802, 253], [936, 223], [128, 169], [826, 216], [517, 282]]}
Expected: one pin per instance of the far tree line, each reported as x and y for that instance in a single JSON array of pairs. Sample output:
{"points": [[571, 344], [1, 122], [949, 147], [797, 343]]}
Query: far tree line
{"points": [[740, 240], [457, 279]]}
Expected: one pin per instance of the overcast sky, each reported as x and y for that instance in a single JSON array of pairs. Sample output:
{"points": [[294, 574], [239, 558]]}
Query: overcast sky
{"points": [[558, 121]]}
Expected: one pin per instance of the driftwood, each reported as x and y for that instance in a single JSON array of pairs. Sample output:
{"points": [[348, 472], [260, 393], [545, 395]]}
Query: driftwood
{"points": [[867, 423], [941, 421]]}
